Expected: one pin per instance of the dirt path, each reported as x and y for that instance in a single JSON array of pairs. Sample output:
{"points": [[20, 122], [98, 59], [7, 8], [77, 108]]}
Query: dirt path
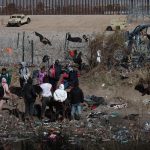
{"points": [[85, 23]]}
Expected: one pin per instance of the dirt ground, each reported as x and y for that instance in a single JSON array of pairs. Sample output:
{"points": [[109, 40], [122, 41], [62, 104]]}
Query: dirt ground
{"points": [[87, 24], [66, 23], [102, 84]]}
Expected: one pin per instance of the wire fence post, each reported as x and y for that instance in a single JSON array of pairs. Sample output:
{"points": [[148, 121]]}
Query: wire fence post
{"points": [[32, 52], [23, 46]]}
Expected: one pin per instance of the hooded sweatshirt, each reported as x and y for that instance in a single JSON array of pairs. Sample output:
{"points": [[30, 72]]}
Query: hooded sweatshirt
{"points": [[46, 89], [24, 71], [5, 87], [60, 94]]}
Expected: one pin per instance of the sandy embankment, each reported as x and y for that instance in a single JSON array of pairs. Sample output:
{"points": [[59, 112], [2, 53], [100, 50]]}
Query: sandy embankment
{"points": [[65, 23]]}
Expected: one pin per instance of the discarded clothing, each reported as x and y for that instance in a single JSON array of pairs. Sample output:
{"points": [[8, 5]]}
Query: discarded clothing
{"points": [[119, 106], [95, 101], [131, 117], [97, 114]]}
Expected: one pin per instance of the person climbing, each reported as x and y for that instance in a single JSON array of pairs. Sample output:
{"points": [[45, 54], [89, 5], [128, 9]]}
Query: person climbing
{"points": [[6, 75], [46, 95], [29, 95], [24, 74], [60, 95], [76, 99], [78, 60], [41, 75]]}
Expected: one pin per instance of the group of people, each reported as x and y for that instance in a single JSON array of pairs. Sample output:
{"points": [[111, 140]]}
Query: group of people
{"points": [[56, 86]]}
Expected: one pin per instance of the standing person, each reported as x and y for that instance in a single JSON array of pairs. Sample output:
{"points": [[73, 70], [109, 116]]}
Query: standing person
{"points": [[63, 79], [5, 93], [1, 97], [24, 74], [29, 95], [5, 86], [58, 69], [55, 73], [76, 99], [60, 95], [6, 75], [98, 59], [46, 95], [73, 75], [78, 60], [41, 75]]}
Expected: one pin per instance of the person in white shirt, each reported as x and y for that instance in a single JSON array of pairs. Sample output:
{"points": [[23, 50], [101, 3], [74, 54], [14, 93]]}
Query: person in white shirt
{"points": [[99, 56], [60, 96], [46, 95]]}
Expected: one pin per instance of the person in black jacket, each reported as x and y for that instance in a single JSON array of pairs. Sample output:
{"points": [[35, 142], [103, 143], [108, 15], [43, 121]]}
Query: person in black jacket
{"points": [[76, 99], [58, 69], [29, 97]]}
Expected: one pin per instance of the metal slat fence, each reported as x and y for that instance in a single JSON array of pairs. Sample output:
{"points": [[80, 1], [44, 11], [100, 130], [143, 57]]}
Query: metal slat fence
{"points": [[73, 7]]}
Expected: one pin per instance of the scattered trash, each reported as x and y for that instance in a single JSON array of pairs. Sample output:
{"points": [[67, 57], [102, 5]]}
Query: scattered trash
{"points": [[96, 114], [122, 135], [146, 101], [52, 137], [147, 126], [103, 84], [131, 117], [94, 101], [114, 114], [119, 106]]}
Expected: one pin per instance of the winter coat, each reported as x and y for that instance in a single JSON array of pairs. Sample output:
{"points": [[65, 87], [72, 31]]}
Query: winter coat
{"points": [[24, 71], [76, 95], [73, 76], [41, 76], [58, 69], [29, 93], [60, 94], [7, 76]]}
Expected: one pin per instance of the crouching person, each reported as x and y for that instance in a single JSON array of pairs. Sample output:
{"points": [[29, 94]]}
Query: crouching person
{"points": [[76, 99], [46, 95], [60, 95], [29, 95]]}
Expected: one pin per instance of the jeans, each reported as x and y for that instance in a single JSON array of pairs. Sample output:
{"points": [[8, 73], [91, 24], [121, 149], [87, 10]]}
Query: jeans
{"points": [[46, 101], [75, 110], [29, 108]]}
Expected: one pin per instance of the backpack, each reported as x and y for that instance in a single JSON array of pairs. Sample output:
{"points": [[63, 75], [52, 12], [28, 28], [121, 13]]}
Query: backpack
{"points": [[52, 72]]}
